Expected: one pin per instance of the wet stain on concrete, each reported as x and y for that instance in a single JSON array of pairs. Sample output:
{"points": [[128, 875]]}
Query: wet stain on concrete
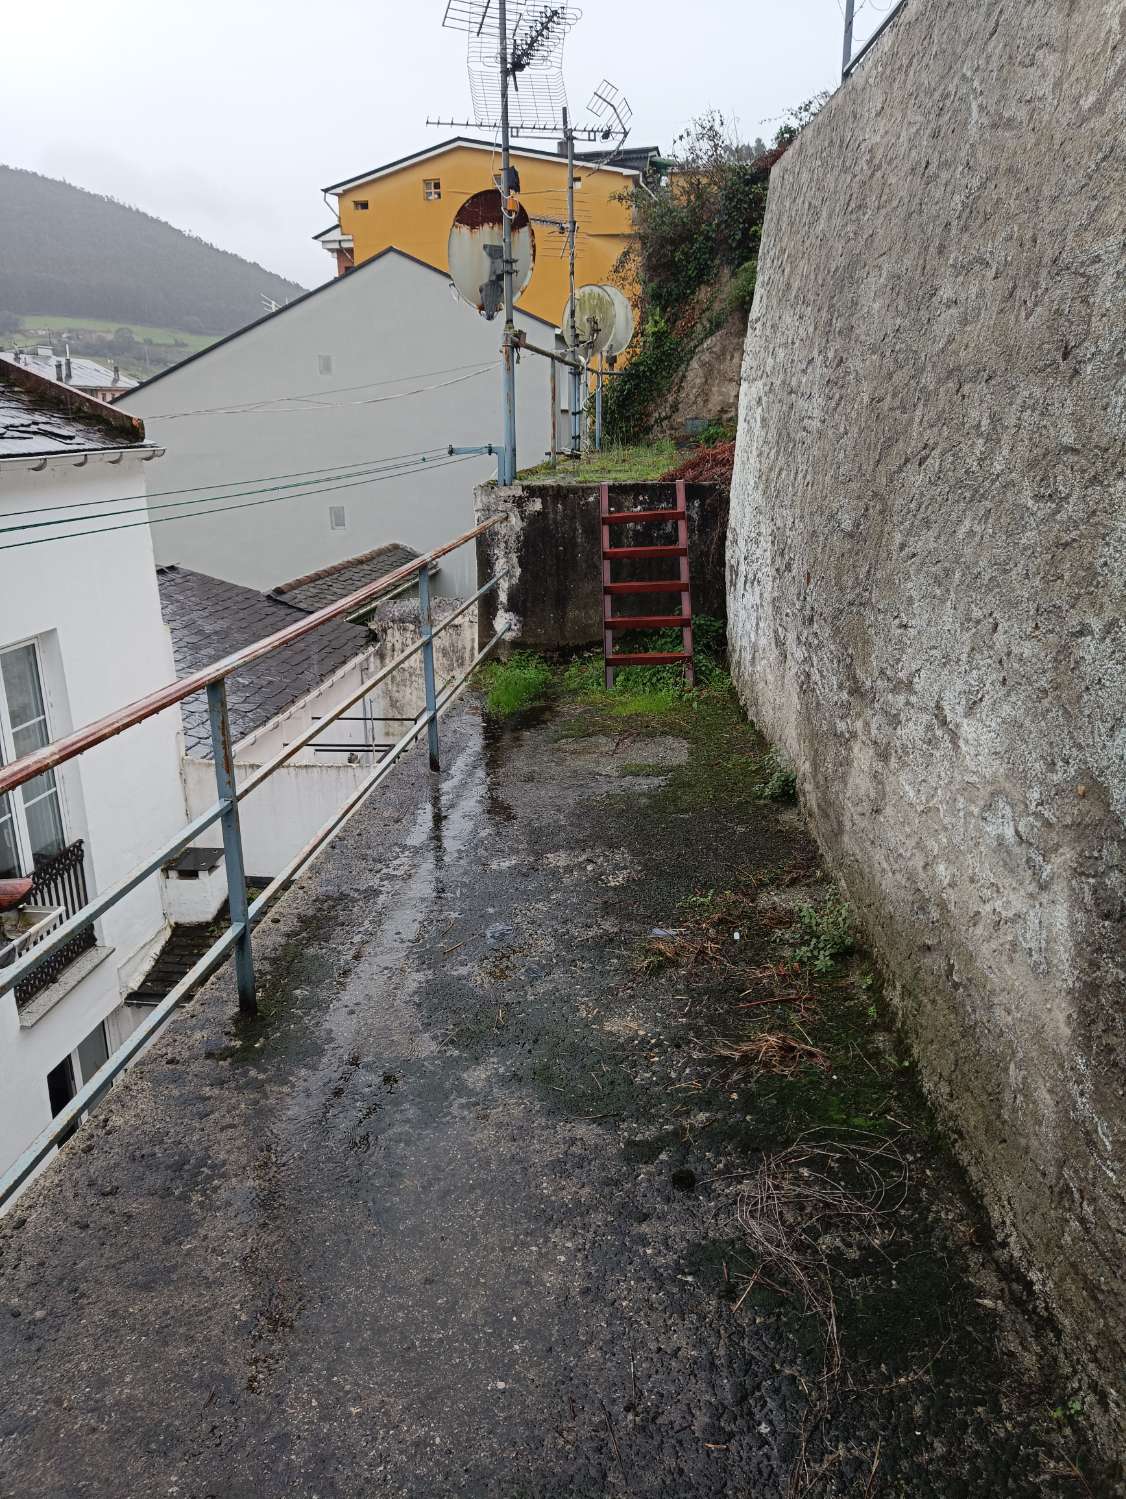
{"points": [[457, 1215]]}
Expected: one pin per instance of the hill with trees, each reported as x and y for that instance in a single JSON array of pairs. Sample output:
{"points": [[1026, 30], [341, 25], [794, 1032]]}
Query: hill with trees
{"points": [[67, 251]]}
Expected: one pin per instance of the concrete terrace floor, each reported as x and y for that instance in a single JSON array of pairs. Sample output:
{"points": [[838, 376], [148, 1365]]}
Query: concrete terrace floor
{"points": [[458, 1215]]}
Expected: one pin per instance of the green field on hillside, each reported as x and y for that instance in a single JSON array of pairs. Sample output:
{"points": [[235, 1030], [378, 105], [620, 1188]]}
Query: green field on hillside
{"points": [[95, 338], [49, 322]]}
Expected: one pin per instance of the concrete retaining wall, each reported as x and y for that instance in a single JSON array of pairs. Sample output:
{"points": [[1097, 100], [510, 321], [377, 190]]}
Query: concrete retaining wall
{"points": [[927, 569], [551, 545]]}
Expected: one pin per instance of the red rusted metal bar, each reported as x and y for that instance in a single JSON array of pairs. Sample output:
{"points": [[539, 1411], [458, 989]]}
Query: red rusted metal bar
{"points": [[607, 635], [649, 658], [71, 745], [659, 585], [671, 551], [644, 621], [619, 517]]}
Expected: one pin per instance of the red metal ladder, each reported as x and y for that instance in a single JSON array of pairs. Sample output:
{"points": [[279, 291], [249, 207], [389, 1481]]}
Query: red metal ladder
{"points": [[612, 623]]}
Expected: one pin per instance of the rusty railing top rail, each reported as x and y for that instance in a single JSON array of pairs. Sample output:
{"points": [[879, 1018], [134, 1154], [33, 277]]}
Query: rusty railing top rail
{"points": [[59, 751]]}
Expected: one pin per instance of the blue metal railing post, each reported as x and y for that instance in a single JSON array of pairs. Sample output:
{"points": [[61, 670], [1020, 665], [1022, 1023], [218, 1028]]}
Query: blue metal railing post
{"points": [[232, 843], [426, 626]]}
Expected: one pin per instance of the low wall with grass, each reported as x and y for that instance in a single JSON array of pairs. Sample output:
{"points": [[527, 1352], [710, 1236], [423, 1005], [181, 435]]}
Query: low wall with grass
{"points": [[550, 544], [927, 573]]}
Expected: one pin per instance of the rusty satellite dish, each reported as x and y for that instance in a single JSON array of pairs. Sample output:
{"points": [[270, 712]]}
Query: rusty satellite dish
{"points": [[476, 252], [603, 320], [622, 332]]}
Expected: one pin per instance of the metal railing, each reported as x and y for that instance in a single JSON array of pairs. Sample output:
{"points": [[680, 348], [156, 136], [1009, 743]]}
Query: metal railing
{"points": [[244, 913], [60, 882], [849, 59]]}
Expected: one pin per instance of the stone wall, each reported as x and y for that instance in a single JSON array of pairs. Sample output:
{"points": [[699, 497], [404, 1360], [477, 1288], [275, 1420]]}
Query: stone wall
{"points": [[551, 546], [927, 572]]}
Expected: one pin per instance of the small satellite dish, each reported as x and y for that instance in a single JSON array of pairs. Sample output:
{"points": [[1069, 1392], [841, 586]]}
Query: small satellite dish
{"points": [[622, 332], [593, 320], [476, 252]]}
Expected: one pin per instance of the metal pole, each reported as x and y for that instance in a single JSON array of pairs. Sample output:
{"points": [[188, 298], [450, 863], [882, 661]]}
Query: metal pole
{"points": [[426, 625], [508, 350], [846, 56], [576, 431], [553, 397], [598, 408], [232, 843]]}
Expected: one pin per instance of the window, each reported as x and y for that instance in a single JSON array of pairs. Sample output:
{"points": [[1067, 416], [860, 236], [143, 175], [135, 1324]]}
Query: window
{"points": [[360, 205], [324, 364], [60, 1086], [31, 822], [93, 1052], [336, 518], [431, 189]]}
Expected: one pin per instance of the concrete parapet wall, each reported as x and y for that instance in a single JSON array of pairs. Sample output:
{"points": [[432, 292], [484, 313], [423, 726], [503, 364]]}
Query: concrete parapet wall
{"points": [[927, 571], [551, 545]]}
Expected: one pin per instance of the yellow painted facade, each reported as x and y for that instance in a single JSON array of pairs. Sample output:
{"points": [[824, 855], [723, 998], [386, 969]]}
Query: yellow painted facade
{"points": [[403, 208]]}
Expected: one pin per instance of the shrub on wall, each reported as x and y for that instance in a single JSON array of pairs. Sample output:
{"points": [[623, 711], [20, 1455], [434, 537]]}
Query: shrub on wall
{"points": [[703, 219]]}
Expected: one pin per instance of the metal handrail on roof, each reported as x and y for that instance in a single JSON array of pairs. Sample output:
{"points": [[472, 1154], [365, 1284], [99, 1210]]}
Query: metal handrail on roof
{"points": [[244, 914]]}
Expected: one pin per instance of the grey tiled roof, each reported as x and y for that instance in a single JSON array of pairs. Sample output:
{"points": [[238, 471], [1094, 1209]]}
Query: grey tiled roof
{"points": [[83, 372], [31, 422], [209, 618], [330, 584]]}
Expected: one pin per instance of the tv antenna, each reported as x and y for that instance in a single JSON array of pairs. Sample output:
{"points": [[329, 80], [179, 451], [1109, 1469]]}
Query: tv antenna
{"points": [[514, 57]]}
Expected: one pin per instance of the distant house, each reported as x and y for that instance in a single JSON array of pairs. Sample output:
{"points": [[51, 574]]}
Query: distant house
{"points": [[87, 375], [410, 204], [321, 431], [270, 701], [80, 634]]}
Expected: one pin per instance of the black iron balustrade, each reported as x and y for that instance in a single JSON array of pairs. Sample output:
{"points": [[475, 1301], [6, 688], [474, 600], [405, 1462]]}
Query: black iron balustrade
{"points": [[60, 882]]}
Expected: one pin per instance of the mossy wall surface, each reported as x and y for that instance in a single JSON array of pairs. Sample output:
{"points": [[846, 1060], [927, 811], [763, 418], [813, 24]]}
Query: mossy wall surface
{"points": [[551, 545], [926, 575]]}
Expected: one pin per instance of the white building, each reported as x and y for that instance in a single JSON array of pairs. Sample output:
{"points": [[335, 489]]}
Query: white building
{"points": [[80, 635], [369, 372]]}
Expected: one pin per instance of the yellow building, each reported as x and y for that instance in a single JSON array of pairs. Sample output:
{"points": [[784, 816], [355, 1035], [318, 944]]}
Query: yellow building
{"points": [[410, 204]]}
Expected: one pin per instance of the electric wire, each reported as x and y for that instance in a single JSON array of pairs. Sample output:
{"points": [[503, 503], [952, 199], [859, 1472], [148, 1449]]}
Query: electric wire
{"points": [[328, 390], [235, 485], [250, 505], [356, 472], [311, 403]]}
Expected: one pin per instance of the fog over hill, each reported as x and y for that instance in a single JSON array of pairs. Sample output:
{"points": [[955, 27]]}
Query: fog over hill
{"points": [[66, 251]]}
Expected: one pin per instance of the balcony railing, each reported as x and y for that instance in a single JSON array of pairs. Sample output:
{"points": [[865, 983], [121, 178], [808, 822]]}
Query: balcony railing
{"points": [[58, 887], [244, 913]]}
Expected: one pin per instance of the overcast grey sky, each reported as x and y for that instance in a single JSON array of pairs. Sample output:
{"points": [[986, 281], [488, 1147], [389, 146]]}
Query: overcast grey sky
{"points": [[227, 117]]}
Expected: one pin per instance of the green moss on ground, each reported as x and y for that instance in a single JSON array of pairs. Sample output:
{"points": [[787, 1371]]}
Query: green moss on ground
{"points": [[513, 685], [640, 463]]}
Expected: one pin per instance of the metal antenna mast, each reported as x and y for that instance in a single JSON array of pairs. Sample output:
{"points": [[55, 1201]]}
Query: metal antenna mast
{"points": [[514, 57], [507, 472]]}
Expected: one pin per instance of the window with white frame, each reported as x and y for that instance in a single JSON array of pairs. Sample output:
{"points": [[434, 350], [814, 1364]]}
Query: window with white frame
{"points": [[432, 189], [31, 818]]}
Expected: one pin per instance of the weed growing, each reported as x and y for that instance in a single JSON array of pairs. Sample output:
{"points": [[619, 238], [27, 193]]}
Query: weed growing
{"points": [[781, 780], [513, 685], [825, 934]]}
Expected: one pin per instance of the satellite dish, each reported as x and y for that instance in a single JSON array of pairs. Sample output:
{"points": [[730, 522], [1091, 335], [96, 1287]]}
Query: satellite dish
{"points": [[593, 320], [476, 252], [622, 332]]}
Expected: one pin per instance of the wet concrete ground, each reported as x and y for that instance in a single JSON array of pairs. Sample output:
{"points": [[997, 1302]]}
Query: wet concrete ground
{"points": [[458, 1215]]}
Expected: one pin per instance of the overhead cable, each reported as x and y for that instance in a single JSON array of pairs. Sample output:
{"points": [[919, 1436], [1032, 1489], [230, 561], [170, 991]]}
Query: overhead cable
{"points": [[236, 485], [249, 505]]}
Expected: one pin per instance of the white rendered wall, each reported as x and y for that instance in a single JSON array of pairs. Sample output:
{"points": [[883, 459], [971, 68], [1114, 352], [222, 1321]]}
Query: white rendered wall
{"points": [[92, 604], [389, 327]]}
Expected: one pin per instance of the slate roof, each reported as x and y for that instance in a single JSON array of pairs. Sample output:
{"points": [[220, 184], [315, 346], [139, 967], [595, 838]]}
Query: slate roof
{"points": [[83, 372], [330, 584], [40, 416], [209, 618]]}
